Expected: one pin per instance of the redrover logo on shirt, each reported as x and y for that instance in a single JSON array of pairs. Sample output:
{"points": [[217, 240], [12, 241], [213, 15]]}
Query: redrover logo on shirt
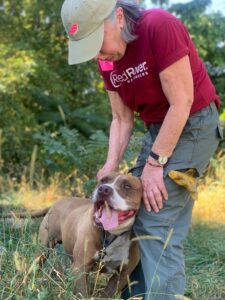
{"points": [[129, 75]]}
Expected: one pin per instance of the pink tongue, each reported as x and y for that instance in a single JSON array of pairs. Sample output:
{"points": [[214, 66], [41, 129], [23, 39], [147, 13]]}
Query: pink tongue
{"points": [[109, 219]]}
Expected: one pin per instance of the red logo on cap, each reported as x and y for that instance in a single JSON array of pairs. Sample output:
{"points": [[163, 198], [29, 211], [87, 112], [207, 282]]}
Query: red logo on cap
{"points": [[73, 29]]}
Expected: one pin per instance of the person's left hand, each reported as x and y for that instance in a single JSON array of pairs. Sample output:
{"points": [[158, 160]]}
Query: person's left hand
{"points": [[154, 190]]}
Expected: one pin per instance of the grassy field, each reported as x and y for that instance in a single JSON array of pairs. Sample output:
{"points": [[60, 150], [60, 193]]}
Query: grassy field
{"points": [[21, 280]]}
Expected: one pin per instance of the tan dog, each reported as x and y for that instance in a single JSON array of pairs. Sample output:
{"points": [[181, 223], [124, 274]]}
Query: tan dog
{"points": [[87, 227]]}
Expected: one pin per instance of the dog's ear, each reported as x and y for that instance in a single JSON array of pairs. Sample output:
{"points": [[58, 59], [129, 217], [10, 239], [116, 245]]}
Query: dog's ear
{"points": [[137, 183], [114, 174], [139, 180], [109, 177]]}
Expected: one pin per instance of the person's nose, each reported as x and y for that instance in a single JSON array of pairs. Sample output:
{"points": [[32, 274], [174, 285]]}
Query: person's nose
{"points": [[100, 56]]}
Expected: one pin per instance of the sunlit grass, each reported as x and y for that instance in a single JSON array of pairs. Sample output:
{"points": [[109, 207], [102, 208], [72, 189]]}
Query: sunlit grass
{"points": [[210, 205], [22, 195]]}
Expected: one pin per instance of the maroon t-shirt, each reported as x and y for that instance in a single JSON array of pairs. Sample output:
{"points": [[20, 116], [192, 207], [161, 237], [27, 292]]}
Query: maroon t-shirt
{"points": [[162, 40]]}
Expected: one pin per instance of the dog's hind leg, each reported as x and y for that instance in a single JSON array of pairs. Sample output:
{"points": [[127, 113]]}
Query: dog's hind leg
{"points": [[43, 252], [48, 238]]}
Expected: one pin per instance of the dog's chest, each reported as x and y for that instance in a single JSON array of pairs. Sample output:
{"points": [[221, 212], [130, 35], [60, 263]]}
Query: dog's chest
{"points": [[116, 253]]}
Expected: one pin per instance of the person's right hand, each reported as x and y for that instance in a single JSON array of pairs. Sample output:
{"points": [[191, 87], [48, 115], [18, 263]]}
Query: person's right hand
{"points": [[107, 168], [154, 189]]}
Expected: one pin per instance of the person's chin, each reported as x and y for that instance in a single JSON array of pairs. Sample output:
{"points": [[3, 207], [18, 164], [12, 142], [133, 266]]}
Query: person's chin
{"points": [[116, 58]]}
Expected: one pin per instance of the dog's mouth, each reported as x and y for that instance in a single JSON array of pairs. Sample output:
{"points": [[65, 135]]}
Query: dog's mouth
{"points": [[109, 218]]}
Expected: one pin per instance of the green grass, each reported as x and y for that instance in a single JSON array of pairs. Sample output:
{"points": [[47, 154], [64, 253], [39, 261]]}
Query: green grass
{"points": [[205, 262], [20, 280]]}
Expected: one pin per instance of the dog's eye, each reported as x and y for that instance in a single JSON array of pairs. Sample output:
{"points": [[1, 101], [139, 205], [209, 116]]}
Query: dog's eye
{"points": [[127, 186], [104, 180]]}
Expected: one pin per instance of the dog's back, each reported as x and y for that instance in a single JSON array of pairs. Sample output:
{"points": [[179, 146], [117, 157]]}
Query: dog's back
{"points": [[50, 232]]}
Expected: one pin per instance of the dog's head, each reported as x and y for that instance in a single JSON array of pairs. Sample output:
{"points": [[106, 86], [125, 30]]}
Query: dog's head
{"points": [[116, 200]]}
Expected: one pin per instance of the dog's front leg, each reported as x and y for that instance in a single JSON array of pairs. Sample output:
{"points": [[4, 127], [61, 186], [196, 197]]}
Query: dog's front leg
{"points": [[116, 283], [112, 287], [83, 261], [119, 280], [81, 278]]}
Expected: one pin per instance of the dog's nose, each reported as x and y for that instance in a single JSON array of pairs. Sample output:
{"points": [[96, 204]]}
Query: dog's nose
{"points": [[105, 190]]}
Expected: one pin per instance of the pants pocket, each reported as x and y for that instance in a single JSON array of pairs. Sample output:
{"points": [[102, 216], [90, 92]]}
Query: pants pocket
{"points": [[183, 152], [220, 132]]}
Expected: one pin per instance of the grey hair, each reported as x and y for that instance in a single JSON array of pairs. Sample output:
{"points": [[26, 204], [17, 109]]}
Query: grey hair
{"points": [[132, 12]]}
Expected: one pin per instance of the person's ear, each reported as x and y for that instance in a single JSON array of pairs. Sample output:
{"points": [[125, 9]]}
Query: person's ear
{"points": [[120, 17]]}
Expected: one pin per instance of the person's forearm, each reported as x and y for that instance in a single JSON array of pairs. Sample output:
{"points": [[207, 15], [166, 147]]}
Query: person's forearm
{"points": [[171, 129], [120, 133]]}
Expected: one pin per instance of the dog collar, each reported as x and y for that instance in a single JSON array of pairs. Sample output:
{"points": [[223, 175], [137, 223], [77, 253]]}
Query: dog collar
{"points": [[108, 241]]}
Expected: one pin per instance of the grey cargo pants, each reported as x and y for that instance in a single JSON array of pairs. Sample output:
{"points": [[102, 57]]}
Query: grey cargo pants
{"points": [[160, 274]]}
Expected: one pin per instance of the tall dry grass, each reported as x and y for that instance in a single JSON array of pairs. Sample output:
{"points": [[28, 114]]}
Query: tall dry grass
{"points": [[210, 205], [18, 244]]}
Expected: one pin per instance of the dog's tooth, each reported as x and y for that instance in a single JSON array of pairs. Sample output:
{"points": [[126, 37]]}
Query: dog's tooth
{"points": [[108, 211], [99, 211]]}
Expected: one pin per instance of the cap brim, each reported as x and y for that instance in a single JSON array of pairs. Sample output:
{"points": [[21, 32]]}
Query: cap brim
{"points": [[87, 48]]}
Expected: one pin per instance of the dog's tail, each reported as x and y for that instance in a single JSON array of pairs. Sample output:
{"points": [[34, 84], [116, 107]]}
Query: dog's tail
{"points": [[35, 214]]}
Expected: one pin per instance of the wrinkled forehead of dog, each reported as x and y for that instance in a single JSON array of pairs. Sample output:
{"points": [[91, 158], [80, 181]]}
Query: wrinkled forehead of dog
{"points": [[126, 182]]}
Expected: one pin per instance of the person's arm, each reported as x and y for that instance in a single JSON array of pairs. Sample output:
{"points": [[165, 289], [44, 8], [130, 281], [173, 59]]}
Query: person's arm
{"points": [[120, 133], [177, 85]]}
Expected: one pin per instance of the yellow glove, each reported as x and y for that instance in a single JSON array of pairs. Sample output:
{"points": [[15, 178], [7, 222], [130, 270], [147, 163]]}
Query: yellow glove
{"points": [[186, 179]]}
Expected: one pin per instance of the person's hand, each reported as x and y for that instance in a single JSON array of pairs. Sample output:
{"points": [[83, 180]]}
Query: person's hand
{"points": [[107, 168], [154, 190]]}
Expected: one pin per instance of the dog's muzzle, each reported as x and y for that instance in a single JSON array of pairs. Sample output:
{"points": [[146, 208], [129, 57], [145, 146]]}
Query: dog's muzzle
{"points": [[109, 218]]}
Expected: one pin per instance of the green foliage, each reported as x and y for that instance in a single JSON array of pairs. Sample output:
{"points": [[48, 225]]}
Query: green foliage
{"points": [[160, 2], [207, 32], [65, 151], [64, 109], [40, 93]]}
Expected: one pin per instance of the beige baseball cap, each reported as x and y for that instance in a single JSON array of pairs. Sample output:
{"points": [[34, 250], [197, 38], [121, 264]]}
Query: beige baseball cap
{"points": [[84, 23]]}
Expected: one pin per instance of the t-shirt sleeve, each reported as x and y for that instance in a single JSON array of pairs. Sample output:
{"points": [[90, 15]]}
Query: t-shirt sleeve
{"points": [[170, 43], [105, 69]]}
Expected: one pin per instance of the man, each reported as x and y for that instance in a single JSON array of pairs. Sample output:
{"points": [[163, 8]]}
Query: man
{"points": [[150, 65]]}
